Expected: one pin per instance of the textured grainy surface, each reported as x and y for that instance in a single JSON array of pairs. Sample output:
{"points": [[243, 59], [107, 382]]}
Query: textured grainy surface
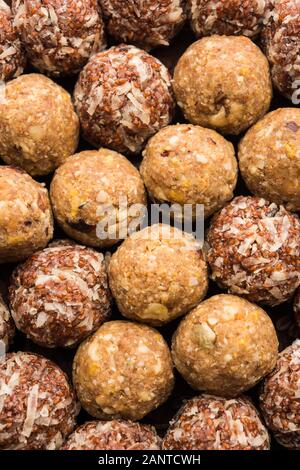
{"points": [[230, 17], [39, 128], [281, 42], [12, 57], [124, 370], [254, 250], [213, 423], [157, 275], [60, 295], [93, 188], [147, 23], [59, 35], [282, 315], [123, 97], [269, 157], [113, 435], [25, 215], [224, 83], [188, 164], [7, 327], [279, 399], [38, 407], [225, 346]]}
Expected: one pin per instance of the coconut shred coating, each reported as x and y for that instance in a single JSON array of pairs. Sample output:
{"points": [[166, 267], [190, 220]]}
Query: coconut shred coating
{"points": [[113, 435], [7, 327], [228, 17], [124, 371], [280, 398], [208, 422], [59, 35], [281, 42], [123, 97], [37, 404], [12, 58], [147, 23], [254, 250], [60, 295]]}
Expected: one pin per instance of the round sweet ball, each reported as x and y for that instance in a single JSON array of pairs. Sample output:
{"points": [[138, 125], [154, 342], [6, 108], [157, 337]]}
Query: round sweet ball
{"points": [[7, 327], [26, 223], [149, 24], [225, 346], [113, 435], [186, 164], [297, 306], [223, 82], [280, 40], [208, 422], [123, 97], [38, 406], [157, 275], [12, 57], [279, 399], [228, 17], [124, 370], [59, 35], [254, 250], [96, 195], [39, 128], [269, 157], [60, 295]]}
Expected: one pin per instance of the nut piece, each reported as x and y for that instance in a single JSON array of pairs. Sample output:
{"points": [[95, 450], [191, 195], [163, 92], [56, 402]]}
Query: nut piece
{"points": [[59, 35], [280, 39], [25, 215], [187, 164], [97, 196], [269, 157], [148, 24], [39, 128], [225, 346], [123, 371], [123, 97], [12, 57], [204, 336], [60, 296], [224, 83], [213, 423], [157, 275], [279, 399], [254, 250], [38, 407], [230, 17], [113, 435]]}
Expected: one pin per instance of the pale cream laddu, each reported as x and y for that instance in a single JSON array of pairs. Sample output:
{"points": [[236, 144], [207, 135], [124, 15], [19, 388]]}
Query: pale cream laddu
{"points": [[124, 371], [224, 83]]}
